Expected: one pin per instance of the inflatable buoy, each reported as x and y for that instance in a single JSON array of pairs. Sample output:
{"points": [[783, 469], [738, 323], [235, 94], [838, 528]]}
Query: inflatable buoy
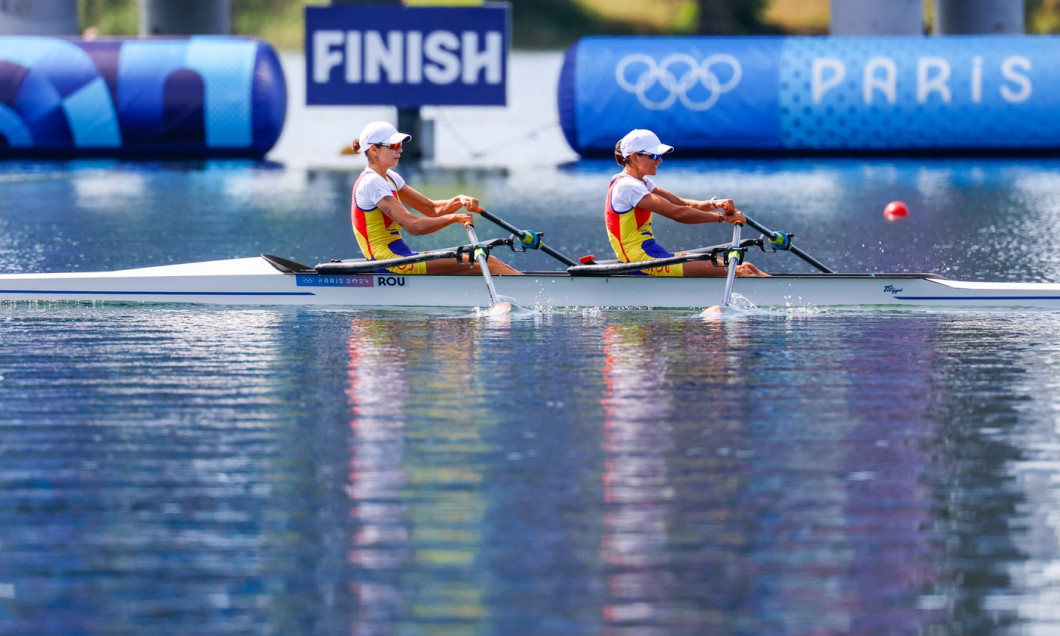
{"points": [[203, 96], [895, 210]]}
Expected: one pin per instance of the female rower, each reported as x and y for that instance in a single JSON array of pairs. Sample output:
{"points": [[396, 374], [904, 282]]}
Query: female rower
{"points": [[379, 214], [632, 198]]}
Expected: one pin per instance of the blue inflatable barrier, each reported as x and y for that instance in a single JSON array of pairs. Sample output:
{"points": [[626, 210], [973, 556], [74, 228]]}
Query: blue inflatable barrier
{"points": [[951, 94], [204, 96]]}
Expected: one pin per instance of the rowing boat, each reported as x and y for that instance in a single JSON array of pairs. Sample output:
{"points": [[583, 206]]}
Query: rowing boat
{"points": [[268, 280], [272, 280]]}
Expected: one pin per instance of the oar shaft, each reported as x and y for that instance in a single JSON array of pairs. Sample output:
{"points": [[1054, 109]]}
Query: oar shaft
{"points": [[734, 260], [514, 230], [483, 263], [798, 252]]}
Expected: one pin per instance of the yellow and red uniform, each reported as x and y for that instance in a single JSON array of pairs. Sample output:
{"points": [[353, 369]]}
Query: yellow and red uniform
{"points": [[630, 230], [378, 235]]}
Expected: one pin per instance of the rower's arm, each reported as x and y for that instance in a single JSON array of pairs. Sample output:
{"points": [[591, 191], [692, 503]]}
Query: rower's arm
{"points": [[679, 212], [725, 205], [428, 207], [415, 224]]}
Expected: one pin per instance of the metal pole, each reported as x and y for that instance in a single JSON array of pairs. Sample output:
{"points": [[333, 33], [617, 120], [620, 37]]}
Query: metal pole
{"points": [[39, 17], [409, 118], [954, 17], [184, 17], [877, 17], [410, 121]]}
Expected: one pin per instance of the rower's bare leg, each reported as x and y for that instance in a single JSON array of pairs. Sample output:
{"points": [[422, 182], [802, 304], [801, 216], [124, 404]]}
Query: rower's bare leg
{"points": [[497, 266], [706, 268], [703, 268], [748, 269]]}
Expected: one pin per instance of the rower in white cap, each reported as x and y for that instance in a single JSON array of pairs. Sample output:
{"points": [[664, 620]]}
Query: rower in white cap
{"points": [[633, 197], [379, 214]]}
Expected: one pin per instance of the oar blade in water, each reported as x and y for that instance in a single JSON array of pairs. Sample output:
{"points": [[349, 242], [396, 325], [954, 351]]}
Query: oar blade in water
{"points": [[499, 309]]}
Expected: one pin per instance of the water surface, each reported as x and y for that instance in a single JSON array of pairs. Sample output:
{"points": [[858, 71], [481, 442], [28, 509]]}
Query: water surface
{"points": [[251, 470]]}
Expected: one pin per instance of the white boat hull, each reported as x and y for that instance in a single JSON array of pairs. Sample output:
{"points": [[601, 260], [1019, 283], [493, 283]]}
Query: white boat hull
{"points": [[254, 281]]}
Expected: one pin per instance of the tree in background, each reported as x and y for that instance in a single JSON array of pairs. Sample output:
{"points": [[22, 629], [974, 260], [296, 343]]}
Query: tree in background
{"points": [[540, 24], [732, 17], [109, 17], [1042, 16]]}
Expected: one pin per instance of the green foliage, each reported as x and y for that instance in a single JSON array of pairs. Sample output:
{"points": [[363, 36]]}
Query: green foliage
{"points": [[1042, 16], [544, 24], [109, 17], [732, 17], [536, 24]]}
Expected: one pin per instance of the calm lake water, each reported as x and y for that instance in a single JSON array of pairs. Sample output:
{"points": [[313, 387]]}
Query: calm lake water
{"points": [[220, 470]]}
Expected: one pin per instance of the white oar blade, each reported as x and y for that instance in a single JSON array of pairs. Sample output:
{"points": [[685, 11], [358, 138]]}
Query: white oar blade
{"points": [[717, 311], [500, 309]]}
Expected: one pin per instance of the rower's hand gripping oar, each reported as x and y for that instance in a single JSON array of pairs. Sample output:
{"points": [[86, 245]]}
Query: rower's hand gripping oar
{"points": [[497, 306], [782, 241], [528, 238]]}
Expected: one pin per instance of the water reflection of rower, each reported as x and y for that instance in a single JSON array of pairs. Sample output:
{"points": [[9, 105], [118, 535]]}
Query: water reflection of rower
{"points": [[638, 492], [377, 390], [415, 491]]}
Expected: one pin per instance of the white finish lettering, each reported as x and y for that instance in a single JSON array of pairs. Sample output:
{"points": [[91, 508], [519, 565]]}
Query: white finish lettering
{"points": [[932, 73], [382, 56], [353, 57], [1009, 69], [488, 59], [325, 57], [443, 64], [413, 57]]}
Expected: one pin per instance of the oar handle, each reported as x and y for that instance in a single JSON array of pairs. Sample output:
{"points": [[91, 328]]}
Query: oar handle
{"points": [[774, 236], [529, 239]]}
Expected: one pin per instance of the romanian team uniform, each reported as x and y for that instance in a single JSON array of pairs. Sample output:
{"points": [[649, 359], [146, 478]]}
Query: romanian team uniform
{"points": [[629, 227], [378, 235]]}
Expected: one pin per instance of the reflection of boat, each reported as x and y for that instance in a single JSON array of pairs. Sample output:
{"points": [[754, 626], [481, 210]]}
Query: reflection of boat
{"points": [[268, 280]]}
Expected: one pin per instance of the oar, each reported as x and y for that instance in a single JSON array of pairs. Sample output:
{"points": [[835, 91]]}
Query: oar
{"points": [[735, 255], [782, 241], [362, 266], [612, 267], [529, 239], [497, 306]]}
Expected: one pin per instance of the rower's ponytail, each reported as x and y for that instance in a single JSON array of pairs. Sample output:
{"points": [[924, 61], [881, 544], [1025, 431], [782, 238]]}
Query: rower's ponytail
{"points": [[622, 161], [356, 146]]}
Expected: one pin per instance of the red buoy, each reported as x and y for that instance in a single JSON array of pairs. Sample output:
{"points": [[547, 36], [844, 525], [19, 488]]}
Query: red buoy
{"points": [[895, 210]]}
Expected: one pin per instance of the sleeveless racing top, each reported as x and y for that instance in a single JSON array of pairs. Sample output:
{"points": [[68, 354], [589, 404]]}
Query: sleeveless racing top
{"points": [[630, 231], [378, 236]]}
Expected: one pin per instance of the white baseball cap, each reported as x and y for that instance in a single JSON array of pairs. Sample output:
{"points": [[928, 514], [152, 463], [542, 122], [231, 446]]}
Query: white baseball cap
{"points": [[641, 140], [381, 132]]}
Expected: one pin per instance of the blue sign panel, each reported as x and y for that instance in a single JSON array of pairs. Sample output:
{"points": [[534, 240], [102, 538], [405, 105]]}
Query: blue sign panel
{"points": [[405, 56], [799, 94], [975, 92], [707, 92]]}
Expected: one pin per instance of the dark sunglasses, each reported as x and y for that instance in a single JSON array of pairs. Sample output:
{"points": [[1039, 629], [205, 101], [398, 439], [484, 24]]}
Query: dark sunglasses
{"points": [[652, 156], [396, 146]]}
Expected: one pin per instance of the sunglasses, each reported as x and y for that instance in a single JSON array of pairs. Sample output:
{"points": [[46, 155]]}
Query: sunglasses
{"points": [[649, 155], [396, 146]]}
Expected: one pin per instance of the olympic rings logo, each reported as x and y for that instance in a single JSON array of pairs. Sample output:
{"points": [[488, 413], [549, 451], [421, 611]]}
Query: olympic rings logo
{"points": [[678, 75]]}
